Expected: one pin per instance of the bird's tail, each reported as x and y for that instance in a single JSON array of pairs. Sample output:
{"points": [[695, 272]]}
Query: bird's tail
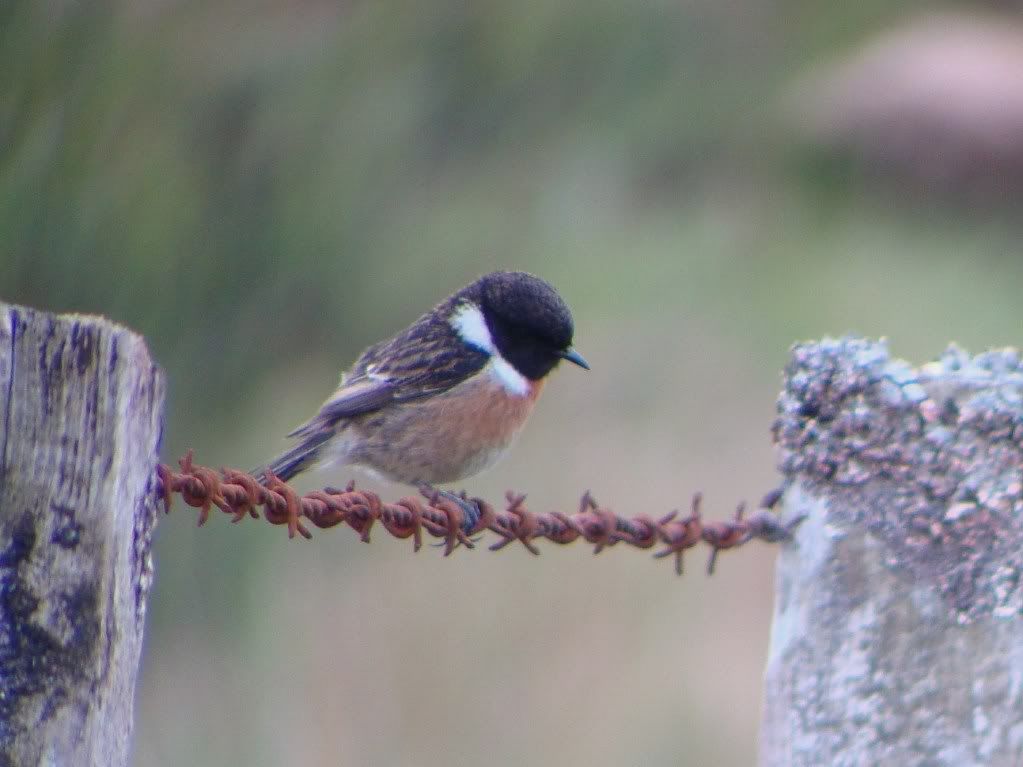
{"points": [[302, 456]]}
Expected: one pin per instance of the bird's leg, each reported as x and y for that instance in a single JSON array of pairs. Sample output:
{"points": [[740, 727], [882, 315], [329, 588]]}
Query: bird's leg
{"points": [[470, 511]]}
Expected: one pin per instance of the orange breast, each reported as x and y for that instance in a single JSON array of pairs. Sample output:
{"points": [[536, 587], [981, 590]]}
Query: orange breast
{"points": [[481, 414], [446, 437]]}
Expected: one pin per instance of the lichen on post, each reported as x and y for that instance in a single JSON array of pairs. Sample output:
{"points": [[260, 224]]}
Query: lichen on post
{"points": [[898, 626]]}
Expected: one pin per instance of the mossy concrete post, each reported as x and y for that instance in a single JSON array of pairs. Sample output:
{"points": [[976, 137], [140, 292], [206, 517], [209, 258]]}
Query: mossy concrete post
{"points": [[898, 626], [81, 407]]}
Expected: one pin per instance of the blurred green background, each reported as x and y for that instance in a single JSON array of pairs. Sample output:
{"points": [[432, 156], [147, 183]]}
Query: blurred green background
{"points": [[262, 189]]}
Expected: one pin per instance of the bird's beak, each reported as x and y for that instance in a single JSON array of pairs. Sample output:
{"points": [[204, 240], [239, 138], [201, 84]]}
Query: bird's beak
{"points": [[572, 355]]}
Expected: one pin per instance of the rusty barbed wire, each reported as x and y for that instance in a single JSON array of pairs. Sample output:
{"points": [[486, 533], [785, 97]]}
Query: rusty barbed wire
{"points": [[241, 494]]}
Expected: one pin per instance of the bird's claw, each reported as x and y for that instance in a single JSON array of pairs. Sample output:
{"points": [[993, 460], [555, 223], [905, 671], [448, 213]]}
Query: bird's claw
{"points": [[471, 512]]}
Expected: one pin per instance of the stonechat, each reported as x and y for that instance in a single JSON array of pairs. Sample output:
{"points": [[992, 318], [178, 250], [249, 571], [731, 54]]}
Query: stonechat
{"points": [[444, 398]]}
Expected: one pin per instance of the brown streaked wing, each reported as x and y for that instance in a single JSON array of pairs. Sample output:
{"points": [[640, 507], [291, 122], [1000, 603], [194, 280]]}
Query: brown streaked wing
{"points": [[427, 358], [362, 395]]}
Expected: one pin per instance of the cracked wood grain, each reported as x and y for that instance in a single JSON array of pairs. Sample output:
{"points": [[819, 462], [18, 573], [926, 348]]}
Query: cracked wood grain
{"points": [[81, 406]]}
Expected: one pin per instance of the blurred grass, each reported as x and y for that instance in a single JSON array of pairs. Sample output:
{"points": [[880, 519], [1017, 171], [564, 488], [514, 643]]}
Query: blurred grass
{"points": [[264, 189]]}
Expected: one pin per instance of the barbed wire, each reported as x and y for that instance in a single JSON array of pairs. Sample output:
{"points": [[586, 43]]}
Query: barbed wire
{"points": [[241, 495]]}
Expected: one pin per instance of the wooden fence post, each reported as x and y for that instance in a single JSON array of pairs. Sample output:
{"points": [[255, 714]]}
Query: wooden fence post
{"points": [[81, 409], [898, 626]]}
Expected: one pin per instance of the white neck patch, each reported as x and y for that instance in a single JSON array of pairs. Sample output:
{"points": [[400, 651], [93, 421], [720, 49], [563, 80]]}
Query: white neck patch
{"points": [[468, 322]]}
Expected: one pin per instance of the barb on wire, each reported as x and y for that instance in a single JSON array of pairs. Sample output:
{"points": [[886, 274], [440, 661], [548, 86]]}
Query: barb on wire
{"points": [[240, 495]]}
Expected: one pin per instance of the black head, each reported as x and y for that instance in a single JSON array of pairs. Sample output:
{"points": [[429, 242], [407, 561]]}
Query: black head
{"points": [[530, 325]]}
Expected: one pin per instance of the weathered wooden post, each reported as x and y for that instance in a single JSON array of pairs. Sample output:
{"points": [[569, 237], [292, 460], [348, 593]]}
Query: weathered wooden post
{"points": [[81, 408], [898, 626]]}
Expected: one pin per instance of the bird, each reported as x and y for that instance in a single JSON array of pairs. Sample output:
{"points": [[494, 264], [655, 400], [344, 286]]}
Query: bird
{"points": [[444, 398]]}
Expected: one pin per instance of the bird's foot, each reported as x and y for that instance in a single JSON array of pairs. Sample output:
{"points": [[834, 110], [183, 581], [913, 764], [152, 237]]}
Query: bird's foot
{"points": [[471, 512]]}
